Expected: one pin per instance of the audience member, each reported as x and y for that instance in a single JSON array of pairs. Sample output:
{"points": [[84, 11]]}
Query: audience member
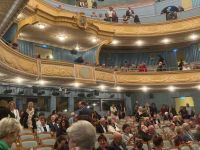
{"points": [[158, 142], [117, 143], [137, 19], [130, 13], [103, 143], [10, 129], [28, 118], [4, 110], [43, 127], [52, 124], [127, 136], [83, 112], [101, 127], [13, 109], [112, 126], [62, 129], [61, 143], [82, 135]]}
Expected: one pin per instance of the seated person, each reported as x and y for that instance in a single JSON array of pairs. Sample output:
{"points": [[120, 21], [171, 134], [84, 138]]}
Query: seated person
{"points": [[178, 140], [158, 142], [138, 144], [61, 143], [112, 127], [143, 133], [43, 127], [137, 19], [127, 136], [103, 143], [101, 127], [117, 143]]}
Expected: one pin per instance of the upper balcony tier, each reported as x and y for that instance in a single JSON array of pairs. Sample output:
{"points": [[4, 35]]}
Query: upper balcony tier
{"points": [[150, 13]]}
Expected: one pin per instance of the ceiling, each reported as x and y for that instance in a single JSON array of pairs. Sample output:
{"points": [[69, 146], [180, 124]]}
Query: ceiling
{"points": [[50, 35]]}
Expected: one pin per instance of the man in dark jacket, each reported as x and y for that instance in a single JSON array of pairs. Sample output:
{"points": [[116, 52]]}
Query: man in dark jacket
{"points": [[117, 143], [130, 13], [101, 127]]}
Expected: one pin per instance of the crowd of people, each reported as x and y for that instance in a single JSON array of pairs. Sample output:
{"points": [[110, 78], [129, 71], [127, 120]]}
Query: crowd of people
{"points": [[84, 125]]}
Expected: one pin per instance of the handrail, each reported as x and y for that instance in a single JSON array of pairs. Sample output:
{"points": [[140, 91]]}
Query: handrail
{"points": [[149, 18], [12, 60]]}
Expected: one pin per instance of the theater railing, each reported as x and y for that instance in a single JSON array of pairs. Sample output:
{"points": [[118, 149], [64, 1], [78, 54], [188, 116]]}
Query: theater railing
{"points": [[147, 14], [47, 14], [15, 62]]}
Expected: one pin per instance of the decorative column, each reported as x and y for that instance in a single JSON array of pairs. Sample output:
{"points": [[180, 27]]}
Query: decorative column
{"points": [[53, 103]]}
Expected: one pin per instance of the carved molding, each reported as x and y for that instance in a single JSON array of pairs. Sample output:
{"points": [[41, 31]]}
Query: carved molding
{"points": [[52, 15], [12, 60]]}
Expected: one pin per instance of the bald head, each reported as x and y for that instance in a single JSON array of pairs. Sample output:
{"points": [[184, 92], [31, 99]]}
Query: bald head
{"points": [[117, 137]]}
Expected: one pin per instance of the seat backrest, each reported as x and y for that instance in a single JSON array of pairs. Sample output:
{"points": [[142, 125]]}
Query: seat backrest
{"points": [[43, 148], [44, 135], [145, 146], [29, 143], [25, 131], [109, 136], [48, 141], [184, 147], [195, 146], [166, 144], [27, 137]]}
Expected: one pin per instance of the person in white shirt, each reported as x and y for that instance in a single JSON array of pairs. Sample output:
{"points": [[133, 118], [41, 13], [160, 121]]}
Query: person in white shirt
{"points": [[112, 126], [43, 127], [12, 106], [113, 110]]}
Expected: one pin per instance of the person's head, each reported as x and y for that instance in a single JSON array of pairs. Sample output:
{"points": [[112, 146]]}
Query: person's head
{"points": [[30, 105], [12, 105], [43, 120], [53, 118], [81, 104], [117, 138], [158, 141], [138, 144], [63, 124], [126, 128], [144, 128], [60, 142], [9, 130], [179, 130], [53, 112], [102, 121], [151, 129], [129, 8], [110, 8], [103, 143], [186, 127], [82, 134]]}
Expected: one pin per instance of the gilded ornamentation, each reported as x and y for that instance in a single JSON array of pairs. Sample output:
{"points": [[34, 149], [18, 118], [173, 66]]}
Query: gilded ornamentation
{"points": [[104, 76], [84, 72], [57, 70]]}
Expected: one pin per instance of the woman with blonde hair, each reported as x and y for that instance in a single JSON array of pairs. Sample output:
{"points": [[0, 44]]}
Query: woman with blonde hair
{"points": [[9, 132], [28, 118], [12, 107]]}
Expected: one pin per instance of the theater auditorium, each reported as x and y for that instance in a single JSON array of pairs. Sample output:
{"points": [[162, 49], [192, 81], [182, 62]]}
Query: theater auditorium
{"points": [[100, 75]]}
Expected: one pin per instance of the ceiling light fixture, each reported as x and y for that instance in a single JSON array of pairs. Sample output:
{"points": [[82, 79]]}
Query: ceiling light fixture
{"points": [[77, 47], [193, 37], [171, 88], [102, 87], [19, 80], [145, 89], [94, 40], [41, 26], [51, 56], [115, 42], [139, 42], [166, 41], [118, 88], [62, 37], [42, 82], [198, 87], [76, 84]]}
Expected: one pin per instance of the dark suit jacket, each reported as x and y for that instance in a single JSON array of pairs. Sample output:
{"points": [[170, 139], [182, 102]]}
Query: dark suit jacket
{"points": [[53, 127], [24, 119], [128, 13], [113, 146], [99, 129]]}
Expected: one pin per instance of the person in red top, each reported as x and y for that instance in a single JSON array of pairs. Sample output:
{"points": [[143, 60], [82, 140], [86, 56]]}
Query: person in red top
{"points": [[142, 68]]}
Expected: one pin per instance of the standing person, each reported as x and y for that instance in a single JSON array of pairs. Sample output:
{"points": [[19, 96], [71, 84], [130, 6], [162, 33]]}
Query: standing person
{"points": [[12, 106], [153, 109], [189, 110], [9, 132], [83, 112], [4, 110], [113, 110], [130, 13], [28, 118]]}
